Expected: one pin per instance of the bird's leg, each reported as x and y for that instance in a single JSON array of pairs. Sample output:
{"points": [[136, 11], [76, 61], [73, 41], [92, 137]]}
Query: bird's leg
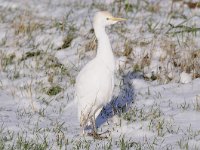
{"points": [[83, 131], [94, 123], [94, 132]]}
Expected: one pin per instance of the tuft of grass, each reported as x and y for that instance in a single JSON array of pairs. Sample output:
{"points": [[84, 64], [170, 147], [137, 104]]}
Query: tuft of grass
{"points": [[128, 48], [125, 144], [136, 68], [9, 59], [26, 28], [91, 45], [183, 144], [140, 114], [54, 90], [146, 60], [180, 29], [69, 38], [193, 5], [30, 54], [184, 106], [67, 41], [128, 7], [154, 8], [153, 76], [6, 59], [25, 144], [24, 24], [53, 63]]}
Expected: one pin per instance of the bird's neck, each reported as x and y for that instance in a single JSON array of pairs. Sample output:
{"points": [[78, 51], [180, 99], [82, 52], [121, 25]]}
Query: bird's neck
{"points": [[104, 50]]}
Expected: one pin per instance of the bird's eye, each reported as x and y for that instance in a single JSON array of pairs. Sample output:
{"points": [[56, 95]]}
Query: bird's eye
{"points": [[107, 18]]}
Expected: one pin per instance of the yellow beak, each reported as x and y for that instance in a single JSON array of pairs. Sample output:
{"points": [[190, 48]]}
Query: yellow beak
{"points": [[118, 19]]}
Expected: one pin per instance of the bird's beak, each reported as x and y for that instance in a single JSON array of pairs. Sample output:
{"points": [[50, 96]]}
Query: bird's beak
{"points": [[118, 19]]}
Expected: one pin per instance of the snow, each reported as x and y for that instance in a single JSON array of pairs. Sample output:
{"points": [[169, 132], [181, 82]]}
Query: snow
{"points": [[185, 77], [121, 63], [139, 84], [144, 113]]}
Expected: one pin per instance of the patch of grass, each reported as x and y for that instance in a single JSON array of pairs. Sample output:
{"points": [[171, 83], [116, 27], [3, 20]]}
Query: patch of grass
{"points": [[142, 114], [180, 29], [184, 106], [82, 144], [30, 54], [25, 24], [92, 43], [99, 5], [67, 41], [154, 8], [145, 61], [128, 144], [23, 143], [6, 59], [69, 38], [26, 28], [153, 76], [153, 26], [183, 144], [128, 7], [128, 48], [136, 68], [53, 63], [193, 5], [54, 90]]}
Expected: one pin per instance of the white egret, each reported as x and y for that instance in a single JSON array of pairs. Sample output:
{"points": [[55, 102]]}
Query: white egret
{"points": [[95, 82]]}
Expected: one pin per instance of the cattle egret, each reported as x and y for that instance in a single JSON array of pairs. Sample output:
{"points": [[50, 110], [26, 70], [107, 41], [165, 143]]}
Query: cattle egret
{"points": [[95, 82]]}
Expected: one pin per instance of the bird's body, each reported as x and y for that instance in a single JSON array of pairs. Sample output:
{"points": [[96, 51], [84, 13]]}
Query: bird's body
{"points": [[94, 88], [95, 82]]}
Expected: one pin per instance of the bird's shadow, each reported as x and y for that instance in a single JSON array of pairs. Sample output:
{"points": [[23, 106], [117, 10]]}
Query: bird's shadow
{"points": [[119, 104]]}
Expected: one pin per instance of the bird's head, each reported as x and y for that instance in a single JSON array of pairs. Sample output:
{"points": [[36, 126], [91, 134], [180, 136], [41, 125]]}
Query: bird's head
{"points": [[104, 18]]}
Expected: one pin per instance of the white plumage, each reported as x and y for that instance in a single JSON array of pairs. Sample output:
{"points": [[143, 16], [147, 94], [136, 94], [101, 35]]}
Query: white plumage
{"points": [[95, 82]]}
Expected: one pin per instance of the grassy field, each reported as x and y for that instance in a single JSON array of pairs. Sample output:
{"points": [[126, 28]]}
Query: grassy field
{"points": [[156, 101]]}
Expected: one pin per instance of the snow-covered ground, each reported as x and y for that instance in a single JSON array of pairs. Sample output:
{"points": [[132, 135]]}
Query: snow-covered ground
{"points": [[156, 101]]}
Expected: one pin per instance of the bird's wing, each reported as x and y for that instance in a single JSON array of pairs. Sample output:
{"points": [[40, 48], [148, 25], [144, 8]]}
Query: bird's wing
{"points": [[87, 82], [94, 86]]}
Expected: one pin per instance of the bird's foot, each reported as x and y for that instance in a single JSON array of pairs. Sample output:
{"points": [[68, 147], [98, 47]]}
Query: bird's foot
{"points": [[98, 136]]}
